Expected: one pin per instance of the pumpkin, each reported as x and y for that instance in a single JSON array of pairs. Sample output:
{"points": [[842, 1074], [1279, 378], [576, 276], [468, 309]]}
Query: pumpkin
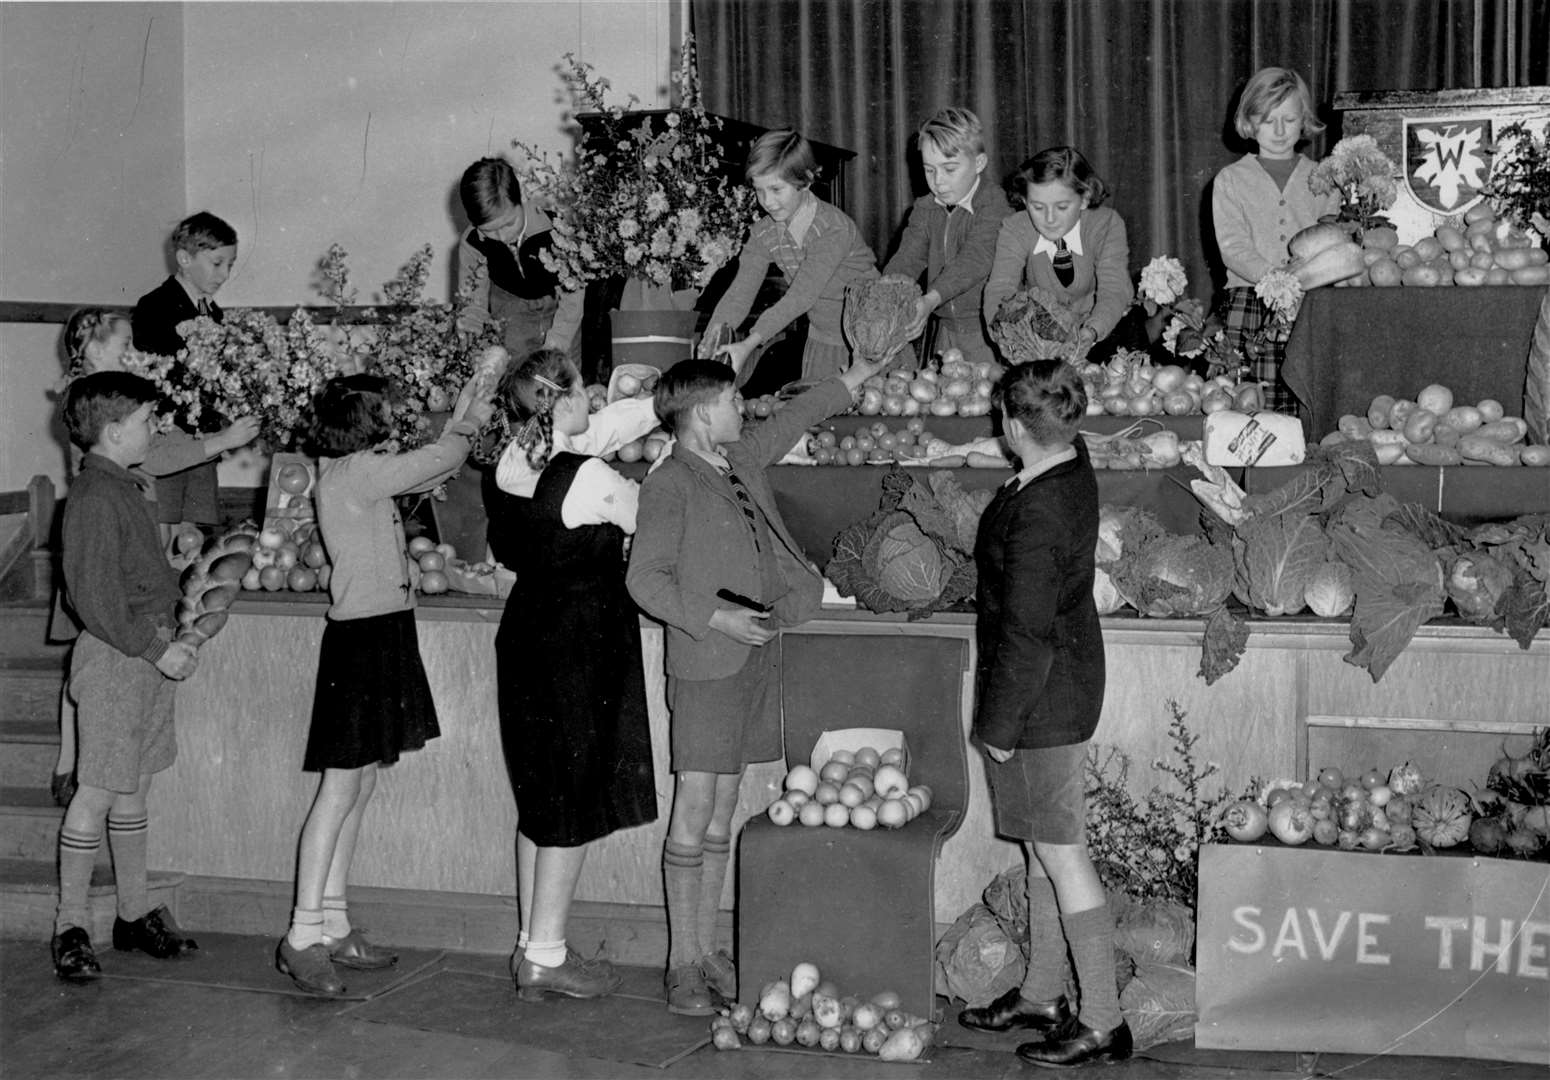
{"points": [[1442, 816]]}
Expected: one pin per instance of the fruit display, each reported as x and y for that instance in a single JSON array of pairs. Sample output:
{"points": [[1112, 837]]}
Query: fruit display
{"points": [[807, 1010], [1130, 385], [1475, 250], [1432, 429], [908, 443], [861, 789], [210, 583], [950, 387]]}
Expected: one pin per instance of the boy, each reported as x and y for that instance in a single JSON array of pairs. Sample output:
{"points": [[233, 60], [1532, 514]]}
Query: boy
{"points": [[124, 593], [205, 249], [951, 235], [707, 529]]}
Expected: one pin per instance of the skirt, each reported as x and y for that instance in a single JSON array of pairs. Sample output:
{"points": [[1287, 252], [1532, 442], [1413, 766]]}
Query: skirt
{"points": [[1243, 317], [372, 701]]}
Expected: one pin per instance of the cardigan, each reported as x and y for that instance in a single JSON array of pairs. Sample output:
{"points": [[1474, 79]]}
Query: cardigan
{"points": [[158, 313], [520, 272], [960, 282], [1100, 288], [1255, 220]]}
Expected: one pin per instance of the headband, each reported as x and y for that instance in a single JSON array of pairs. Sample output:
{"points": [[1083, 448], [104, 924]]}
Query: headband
{"points": [[550, 383]]}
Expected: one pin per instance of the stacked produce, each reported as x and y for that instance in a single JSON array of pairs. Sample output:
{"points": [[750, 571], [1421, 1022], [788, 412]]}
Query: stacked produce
{"points": [[951, 387], [1129, 385], [907, 444], [807, 1010], [1432, 430], [289, 555], [1514, 814], [1477, 250], [861, 788]]}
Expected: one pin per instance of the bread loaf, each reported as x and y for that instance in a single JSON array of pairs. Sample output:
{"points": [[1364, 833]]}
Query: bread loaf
{"points": [[210, 584]]}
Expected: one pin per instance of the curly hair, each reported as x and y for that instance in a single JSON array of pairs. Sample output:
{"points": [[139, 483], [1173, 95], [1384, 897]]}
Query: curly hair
{"points": [[529, 391], [1057, 163]]}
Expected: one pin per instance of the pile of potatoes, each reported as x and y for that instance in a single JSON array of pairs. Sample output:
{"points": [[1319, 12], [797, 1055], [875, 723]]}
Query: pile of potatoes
{"points": [[1481, 251], [1432, 430]]}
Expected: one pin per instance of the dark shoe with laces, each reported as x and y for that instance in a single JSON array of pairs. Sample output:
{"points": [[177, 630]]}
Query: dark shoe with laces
{"points": [[1012, 1010], [61, 788], [74, 958], [354, 951], [1073, 1044], [720, 974], [687, 993], [309, 968], [155, 934], [576, 978]]}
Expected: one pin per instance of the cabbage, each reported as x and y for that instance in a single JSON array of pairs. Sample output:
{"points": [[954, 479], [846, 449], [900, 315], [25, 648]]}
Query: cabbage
{"points": [[1279, 555], [1174, 576], [1476, 581], [1122, 527], [1105, 596], [906, 562], [1329, 591]]}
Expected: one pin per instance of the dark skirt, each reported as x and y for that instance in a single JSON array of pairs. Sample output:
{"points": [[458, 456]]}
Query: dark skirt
{"points": [[373, 701]]}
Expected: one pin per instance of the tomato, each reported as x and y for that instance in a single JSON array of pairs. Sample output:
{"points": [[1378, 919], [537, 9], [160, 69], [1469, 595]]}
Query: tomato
{"points": [[1291, 823], [1372, 778], [1315, 791], [1325, 832], [1276, 797], [1374, 839], [828, 438], [1331, 778], [1380, 795], [1246, 821]]}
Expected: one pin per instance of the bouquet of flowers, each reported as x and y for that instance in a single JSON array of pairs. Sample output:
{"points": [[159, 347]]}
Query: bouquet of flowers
{"points": [[1363, 177], [1032, 324], [637, 202], [1281, 293], [1519, 185], [1192, 332]]}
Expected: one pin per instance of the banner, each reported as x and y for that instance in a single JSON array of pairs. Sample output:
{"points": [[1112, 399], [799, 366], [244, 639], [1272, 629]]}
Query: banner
{"points": [[1320, 950]]}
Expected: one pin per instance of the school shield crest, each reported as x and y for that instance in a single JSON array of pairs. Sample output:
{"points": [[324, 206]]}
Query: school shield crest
{"points": [[1447, 162]]}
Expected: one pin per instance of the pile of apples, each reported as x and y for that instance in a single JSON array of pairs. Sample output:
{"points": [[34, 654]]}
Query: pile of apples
{"points": [[1371, 811], [1130, 385], [952, 387], [1481, 251], [428, 565], [1432, 429], [290, 556], [809, 1011], [872, 444], [862, 789]]}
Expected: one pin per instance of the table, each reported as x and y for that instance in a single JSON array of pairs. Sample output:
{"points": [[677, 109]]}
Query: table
{"points": [[1349, 345]]}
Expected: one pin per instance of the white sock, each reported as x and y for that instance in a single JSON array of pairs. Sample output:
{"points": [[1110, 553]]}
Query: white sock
{"points": [[522, 939], [306, 928], [549, 954], [336, 918]]}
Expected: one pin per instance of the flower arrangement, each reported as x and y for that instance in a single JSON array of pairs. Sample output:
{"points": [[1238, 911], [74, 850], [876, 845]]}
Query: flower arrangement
{"points": [[1519, 186], [1363, 177], [1192, 332], [1281, 293], [657, 206]]}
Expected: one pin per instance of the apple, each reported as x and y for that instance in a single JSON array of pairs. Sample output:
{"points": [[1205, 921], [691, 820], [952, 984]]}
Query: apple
{"points": [[272, 578], [271, 537], [433, 560], [286, 557], [250, 580], [189, 540], [953, 355], [420, 545], [300, 505], [293, 478], [314, 555], [301, 579], [633, 450], [447, 551], [627, 385], [325, 574], [432, 582]]}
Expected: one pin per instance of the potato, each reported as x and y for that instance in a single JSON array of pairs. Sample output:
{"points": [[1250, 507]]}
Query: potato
{"points": [[1419, 425], [1436, 399], [1497, 276], [1480, 214], [1373, 255], [1478, 448], [1459, 260], [1434, 455], [1427, 248], [1463, 418], [1400, 412], [1482, 260], [1470, 275], [1388, 437], [1382, 238], [1421, 276], [1378, 411], [1354, 427], [1407, 258], [1490, 410], [1445, 434], [1538, 456], [1508, 430], [1389, 453], [1513, 258], [1532, 275], [1334, 438], [1385, 272], [1450, 238]]}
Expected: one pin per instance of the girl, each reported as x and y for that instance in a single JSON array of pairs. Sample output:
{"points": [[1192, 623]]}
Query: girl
{"points": [[819, 251], [372, 701], [571, 686], [1258, 204], [1041, 677], [1065, 243], [97, 339], [499, 258]]}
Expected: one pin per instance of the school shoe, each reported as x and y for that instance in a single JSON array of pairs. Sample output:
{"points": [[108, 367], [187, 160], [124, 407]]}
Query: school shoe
{"points": [[576, 978], [720, 974], [1012, 1010], [1072, 1044], [74, 958], [687, 994], [154, 933], [309, 968], [354, 951]]}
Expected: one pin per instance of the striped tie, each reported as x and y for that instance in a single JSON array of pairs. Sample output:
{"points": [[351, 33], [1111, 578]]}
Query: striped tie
{"points": [[745, 502], [1065, 272]]}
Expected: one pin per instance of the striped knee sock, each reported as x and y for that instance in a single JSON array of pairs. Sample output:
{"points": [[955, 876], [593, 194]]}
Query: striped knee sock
{"points": [[682, 869], [77, 856], [713, 876], [127, 841]]}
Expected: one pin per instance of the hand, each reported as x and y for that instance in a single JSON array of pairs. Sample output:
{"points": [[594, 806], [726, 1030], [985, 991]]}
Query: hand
{"points": [[923, 309], [471, 320], [1001, 757], [742, 625], [737, 353], [178, 662], [706, 348], [242, 431], [861, 370]]}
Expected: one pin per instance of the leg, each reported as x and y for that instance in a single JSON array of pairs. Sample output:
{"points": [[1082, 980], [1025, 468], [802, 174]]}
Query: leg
{"points": [[547, 965], [62, 783], [716, 964], [347, 946], [1040, 1003], [301, 953], [79, 839], [683, 861], [527, 873], [139, 926]]}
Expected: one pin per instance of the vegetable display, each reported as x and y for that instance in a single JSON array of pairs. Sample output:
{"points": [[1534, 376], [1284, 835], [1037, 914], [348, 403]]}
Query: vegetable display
{"points": [[1477, 249], [1432, 429], [809, 1011], [862, 789], [877, 313]]}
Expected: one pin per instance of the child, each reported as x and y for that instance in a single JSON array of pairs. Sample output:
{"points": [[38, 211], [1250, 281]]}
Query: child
{"points": [[1258, 203], [372, 701], [205, 249], [571, 684], [707, 524], [819, 251], [121, 670], [500, 257], [96, 339], [1065, 243], [951, 235]]}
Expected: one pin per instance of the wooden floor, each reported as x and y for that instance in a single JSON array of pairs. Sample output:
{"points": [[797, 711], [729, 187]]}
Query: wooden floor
{"points": [[132, 1028]]}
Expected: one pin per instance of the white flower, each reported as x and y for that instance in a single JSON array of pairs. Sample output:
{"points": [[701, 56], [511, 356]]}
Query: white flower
{"points": [[672, 120], [633, 253], [1163, 280], [629, 228], [1280, 291], [656, 204]]}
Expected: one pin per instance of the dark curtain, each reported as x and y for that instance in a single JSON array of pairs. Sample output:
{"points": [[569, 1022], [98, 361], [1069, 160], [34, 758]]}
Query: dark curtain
{"points": [[1144, 88]]}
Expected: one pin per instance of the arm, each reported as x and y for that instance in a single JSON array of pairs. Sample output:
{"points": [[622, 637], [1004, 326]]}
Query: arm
{"points": [[652, 577], [567, 320], [172, 452], [767, 441], [611, 427], [1023, 653], [1111, 267], [1234, 238], [976, 256], [914, 251], [1006, 269], [753, 262], [825, 254], [600, 496]]}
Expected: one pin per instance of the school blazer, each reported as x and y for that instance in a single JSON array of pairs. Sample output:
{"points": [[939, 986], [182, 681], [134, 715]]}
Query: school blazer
{"points": [[691, 539], [1040, 671], [1100, 288]]}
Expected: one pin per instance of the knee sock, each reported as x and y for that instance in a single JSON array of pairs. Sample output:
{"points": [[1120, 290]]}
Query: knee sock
{"points": [[336, 918], [1091, 934], [306, 928], [77, 856], [1046, 977], [127, 841], [682, 869], [549, 954], [713, 877]]}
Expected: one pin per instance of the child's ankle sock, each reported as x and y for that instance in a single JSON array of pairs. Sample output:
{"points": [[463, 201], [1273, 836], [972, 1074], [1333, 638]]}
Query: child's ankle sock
{"points": [[549, 954], [306, 928], [336, 918], [682, 868], [77, 856], [522, 939], [713, 877], [127, 841]]}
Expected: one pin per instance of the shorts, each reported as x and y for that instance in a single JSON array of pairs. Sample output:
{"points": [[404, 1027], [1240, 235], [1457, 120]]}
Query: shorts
{"points": [[723, 725], [123, 716], [1040, 795]]}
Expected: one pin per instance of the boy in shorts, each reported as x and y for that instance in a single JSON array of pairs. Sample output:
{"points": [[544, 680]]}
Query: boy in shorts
{"points": [[121, 670], [708, 529]]}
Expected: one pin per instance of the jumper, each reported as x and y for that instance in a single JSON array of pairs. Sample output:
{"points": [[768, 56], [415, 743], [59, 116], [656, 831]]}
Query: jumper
{"points": [[116, 577], [1100, 289], [511, 282], [158, 313], [1255, 220], [361, 528]]}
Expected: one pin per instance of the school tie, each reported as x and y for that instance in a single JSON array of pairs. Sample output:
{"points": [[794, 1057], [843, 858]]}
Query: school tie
{"points": [[204, 305], [745, 503], [1065, 271], [952, 237]]}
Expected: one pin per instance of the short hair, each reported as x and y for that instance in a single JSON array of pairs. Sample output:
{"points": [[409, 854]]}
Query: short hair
{"points": [[1265, 92], [1057, 163], [94, 401], [351, 414], [202, 232], [785, 153], [691, 382], [85, 326], [1046, 396], [489, 188], [952, 131], [522, 392]]}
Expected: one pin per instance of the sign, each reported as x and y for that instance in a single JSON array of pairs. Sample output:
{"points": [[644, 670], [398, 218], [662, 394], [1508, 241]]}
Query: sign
{"points": [[1320, 950], [1447, 162]]}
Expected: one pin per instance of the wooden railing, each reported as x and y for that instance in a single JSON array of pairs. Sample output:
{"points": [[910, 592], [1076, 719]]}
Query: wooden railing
{"points": [[25, 561]]}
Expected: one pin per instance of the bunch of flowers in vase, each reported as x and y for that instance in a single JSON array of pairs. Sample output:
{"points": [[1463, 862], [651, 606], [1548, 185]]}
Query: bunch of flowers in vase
{"points": [[1192, 331], [1363, 177]]}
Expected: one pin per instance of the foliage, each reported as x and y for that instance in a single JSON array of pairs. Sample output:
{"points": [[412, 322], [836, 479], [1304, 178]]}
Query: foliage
{"points": [[1174, 576], [1032, 324], [658, 206], [1519, 186], [1363, 177], [1192, 332]]}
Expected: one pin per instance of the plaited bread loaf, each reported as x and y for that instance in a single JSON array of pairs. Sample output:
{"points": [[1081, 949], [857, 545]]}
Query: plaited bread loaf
{"points": [[210, 584]]}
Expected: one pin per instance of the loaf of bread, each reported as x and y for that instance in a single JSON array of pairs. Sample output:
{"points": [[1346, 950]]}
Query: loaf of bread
{"points": [[210, 583]]}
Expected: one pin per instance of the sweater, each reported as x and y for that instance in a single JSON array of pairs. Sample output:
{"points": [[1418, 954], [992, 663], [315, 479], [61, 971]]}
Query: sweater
{"points": [[959, 281], [116, 576], [1100, 288], [1255, 220], [158, 313], [518, 269]]}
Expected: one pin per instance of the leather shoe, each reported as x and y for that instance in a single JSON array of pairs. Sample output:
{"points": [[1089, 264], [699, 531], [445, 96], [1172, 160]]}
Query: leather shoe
{"points": [[1012, 1010], [74, 958], [1072, 1044], [154, 933], [354, 951], [309, 968], [720, 974], [687, 994], [576, 978]]}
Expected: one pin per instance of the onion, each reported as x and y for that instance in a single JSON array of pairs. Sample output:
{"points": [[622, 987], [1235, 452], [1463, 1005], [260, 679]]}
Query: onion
{"points": [[1143, 405], [958, 388], [923, 390], [1168, 378]]}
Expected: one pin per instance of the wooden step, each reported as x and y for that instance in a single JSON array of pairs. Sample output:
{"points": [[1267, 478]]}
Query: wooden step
{"points": [[29, 897], [28, 763], [24, 631], [29, 690], [29, 825]]}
